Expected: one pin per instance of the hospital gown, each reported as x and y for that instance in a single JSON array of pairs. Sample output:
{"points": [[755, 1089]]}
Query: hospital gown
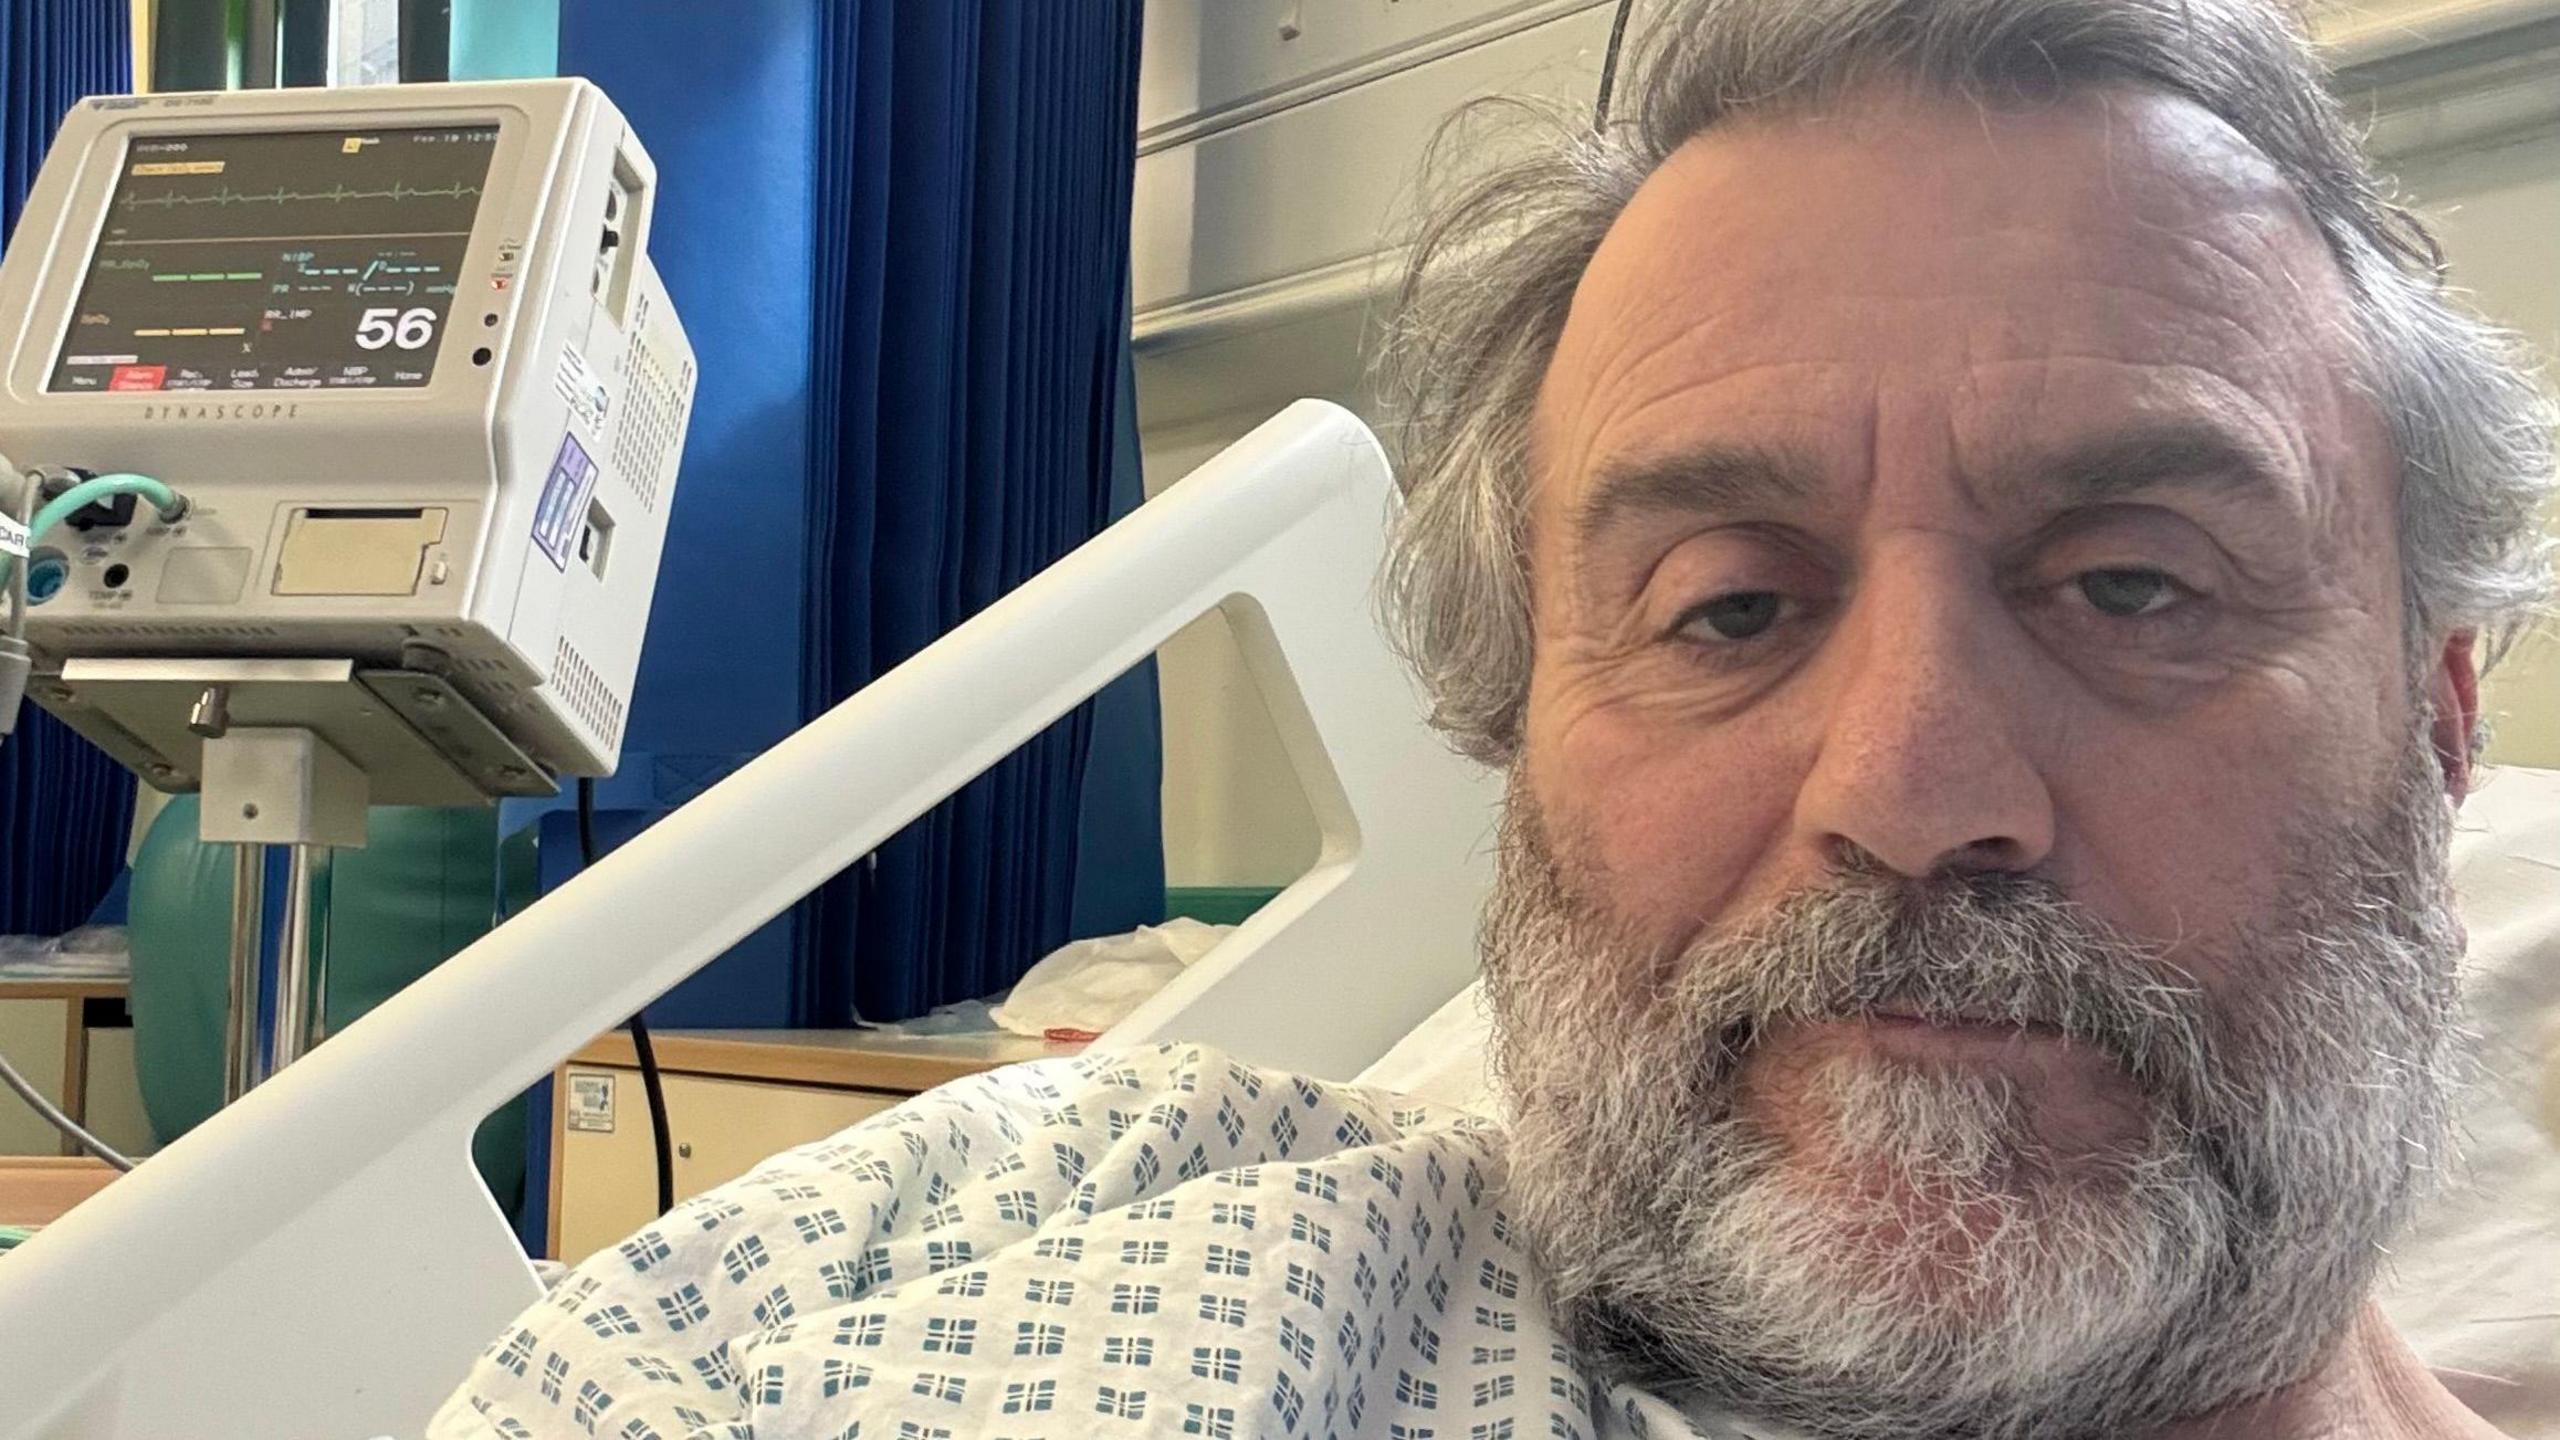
{"points": [[1158, 1242]]}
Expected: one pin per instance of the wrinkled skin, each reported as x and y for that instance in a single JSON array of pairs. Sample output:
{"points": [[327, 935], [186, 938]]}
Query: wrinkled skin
{"points": [[1936, 488]]}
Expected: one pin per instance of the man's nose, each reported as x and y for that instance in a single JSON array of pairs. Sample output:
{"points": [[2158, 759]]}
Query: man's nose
{"points": [[1923, 762]]}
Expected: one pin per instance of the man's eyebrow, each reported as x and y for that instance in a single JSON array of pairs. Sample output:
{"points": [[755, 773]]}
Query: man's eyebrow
{"points": [[1730, 479], [1703, 480], [2185, 454]]}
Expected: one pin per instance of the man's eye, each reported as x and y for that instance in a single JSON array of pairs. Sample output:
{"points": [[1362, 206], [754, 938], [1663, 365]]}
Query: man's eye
{"points": [[2128, 594], [1743, 615]]}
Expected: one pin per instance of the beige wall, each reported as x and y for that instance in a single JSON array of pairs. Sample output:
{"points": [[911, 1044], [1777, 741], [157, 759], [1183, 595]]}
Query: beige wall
{"points": [[1275, 138], [142, 13], [2497, 209], [1233, 812]]}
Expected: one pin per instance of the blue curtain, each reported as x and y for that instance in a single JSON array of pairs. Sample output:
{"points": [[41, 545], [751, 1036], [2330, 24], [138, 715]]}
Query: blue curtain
{"points": [[971, 424], [722, 96], [898, 233], [64, 808]]}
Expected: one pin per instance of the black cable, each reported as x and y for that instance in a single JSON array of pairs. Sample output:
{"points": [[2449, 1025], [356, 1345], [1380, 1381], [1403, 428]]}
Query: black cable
{"points": [[650, 1083], [1609, 65]]}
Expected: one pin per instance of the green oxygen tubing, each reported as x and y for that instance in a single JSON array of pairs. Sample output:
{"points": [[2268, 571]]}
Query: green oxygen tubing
{"points": [[89, 492]]}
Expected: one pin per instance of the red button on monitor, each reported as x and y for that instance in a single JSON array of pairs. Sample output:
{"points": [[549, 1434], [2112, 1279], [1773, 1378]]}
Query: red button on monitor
{"points": [[139, 377]]}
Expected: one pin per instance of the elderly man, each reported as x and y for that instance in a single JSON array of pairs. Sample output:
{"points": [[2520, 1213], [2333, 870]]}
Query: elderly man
{"points": [[1971, 529]]}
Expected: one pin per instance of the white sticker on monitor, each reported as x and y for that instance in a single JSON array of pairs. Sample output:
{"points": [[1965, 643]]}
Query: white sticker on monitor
{"points": [[577, 383], [13, 537]]}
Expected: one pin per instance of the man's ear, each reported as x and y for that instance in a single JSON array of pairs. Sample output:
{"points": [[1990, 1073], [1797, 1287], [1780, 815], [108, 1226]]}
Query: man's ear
{"points": [[2453, 688]]}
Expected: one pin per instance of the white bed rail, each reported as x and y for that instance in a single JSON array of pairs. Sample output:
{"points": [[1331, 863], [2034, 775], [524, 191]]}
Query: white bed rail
{"points": [[319, 1261]]}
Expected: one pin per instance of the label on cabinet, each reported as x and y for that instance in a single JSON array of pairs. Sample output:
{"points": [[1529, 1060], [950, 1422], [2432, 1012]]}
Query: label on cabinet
{"points": [[590, 1101]]}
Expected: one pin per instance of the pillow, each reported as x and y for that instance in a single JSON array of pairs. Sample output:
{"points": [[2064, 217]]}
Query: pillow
{"points": [[2475, 1285]]}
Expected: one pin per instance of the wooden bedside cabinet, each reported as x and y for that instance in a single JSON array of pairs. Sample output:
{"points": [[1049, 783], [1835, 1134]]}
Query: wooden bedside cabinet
{"points": [[73, 1040], [734, 1097]]}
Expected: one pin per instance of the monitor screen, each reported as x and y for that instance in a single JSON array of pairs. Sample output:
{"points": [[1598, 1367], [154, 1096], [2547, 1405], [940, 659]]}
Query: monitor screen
{"points": [[290, 260]]}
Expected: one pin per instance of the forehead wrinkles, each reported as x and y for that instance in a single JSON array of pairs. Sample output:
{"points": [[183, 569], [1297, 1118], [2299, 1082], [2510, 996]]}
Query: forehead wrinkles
{"points": [[2126, 227]]}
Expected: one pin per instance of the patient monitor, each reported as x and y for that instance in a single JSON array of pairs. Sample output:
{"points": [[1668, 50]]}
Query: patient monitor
{"points": [[403, 356], [425, 467]]}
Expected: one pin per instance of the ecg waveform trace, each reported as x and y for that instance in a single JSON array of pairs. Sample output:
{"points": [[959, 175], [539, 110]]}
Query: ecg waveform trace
{"points": [[336, 194], [318, 185]]}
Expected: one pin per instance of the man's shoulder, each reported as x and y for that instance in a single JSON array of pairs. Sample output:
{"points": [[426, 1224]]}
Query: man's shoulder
{"points": [[1124, 1126], [1166, 1235], [1035, 1162]]}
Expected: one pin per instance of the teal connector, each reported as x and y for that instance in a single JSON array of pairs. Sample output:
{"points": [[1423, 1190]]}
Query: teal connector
{"points": [[89, 492]]}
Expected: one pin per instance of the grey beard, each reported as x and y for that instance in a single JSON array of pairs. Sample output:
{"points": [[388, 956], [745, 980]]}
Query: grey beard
{"points": [[1992, 1289]]}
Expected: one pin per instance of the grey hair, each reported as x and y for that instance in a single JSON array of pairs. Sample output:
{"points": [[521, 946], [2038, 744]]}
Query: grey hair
{"points": [[1493, 270]]}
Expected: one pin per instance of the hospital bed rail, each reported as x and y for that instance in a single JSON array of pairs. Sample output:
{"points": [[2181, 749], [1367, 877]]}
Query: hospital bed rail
{"points": [[320, 1262]]}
